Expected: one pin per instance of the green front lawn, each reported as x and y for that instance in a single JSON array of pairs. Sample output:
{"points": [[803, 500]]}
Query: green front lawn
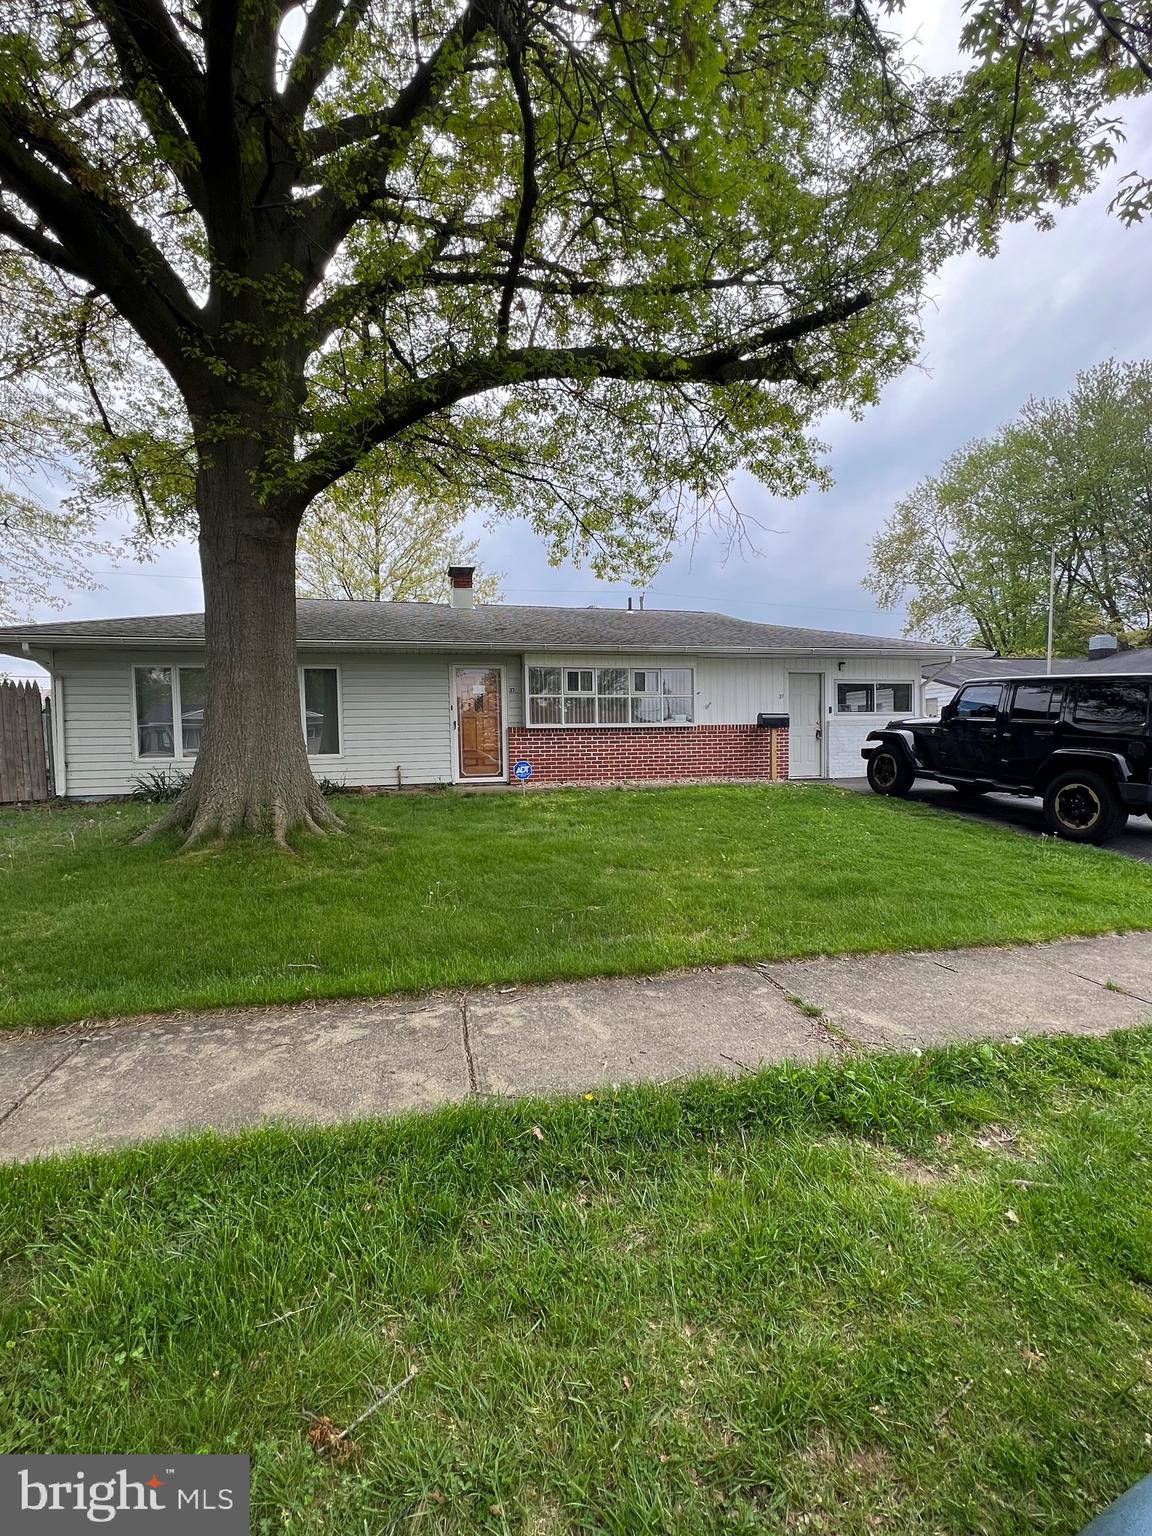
{"points": [[889, 1295], [444, 890]]}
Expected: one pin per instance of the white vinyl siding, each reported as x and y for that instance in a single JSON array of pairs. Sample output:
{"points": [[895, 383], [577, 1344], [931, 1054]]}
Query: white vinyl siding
{"points": [[395, 713], [98, 722], [395, 709]]}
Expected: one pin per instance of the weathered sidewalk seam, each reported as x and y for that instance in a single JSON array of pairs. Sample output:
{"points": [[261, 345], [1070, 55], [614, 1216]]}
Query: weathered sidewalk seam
{"points": [[466, 1036], [839, 1038], [1123, 991], [40, 1081]]}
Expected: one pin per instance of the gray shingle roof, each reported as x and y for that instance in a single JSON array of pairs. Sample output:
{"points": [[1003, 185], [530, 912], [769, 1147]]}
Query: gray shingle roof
{"points": [[495, 626], [965, 668]]}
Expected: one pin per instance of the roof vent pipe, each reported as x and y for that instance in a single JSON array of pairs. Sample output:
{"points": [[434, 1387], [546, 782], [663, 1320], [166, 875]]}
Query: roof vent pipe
{"points": [[460, 593], [1101, 646]]}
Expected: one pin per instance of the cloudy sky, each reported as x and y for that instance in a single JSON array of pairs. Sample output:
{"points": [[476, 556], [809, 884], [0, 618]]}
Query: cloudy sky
{"points": [[996, 332]]}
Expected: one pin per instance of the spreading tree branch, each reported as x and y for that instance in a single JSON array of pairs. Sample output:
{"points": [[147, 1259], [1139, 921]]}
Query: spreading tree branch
{"points": [[1111, 24], [120, 257], [171, 113], [36, 243], [766, 357], [139, 492], [149, 27], [319, 46], [333, 212], [529, 188]]}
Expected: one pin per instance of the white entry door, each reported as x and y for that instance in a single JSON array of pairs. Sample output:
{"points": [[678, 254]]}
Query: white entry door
{"points": [[806, 727]]}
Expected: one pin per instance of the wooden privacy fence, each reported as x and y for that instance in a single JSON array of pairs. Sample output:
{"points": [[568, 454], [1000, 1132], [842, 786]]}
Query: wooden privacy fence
{"points": [[25, 737]]}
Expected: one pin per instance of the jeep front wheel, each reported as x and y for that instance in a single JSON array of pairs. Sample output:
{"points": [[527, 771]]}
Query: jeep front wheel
{"points": [[889, 773], [1083, 807]]}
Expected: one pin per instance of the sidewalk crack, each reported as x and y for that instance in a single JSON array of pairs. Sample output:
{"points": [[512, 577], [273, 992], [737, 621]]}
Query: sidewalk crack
{"points": [[466, 1036], [1114, 987], [39, 1083], [840, 1039]]}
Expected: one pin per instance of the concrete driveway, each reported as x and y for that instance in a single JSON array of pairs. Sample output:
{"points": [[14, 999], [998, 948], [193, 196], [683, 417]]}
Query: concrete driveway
{"points": [[1010, 811]]}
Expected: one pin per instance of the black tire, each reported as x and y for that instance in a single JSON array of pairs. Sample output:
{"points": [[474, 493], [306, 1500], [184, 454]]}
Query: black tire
{"points": [[970, 791], [1082, 806], [889, 772]]}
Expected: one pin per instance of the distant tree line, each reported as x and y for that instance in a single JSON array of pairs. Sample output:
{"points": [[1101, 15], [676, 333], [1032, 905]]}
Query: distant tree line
{"points": [[969, 549]]}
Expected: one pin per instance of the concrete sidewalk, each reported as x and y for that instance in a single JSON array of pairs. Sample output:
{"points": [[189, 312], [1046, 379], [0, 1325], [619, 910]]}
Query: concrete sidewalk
{"points": [[103, 1085]]}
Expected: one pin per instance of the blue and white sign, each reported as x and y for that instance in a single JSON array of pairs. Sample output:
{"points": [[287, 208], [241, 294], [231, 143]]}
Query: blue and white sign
{"points": [[522, 770]]}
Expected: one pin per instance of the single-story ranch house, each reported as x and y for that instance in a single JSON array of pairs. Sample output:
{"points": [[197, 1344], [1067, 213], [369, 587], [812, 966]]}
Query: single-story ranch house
{"points": [[400, 694]]}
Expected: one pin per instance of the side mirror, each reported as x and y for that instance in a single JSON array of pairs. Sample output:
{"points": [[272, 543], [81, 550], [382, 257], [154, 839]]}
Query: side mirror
{"points": [[948, 712]]}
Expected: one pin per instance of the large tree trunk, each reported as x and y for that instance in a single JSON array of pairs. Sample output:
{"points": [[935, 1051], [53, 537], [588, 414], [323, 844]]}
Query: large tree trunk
{"points": [[252, 772]]}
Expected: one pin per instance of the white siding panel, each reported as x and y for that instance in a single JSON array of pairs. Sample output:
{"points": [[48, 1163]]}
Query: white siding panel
{"points": [[397, 721], [395, 715], [98, 722]]}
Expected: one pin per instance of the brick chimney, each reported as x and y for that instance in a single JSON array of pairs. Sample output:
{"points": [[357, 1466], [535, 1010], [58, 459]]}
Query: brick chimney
{"points": [[460, 593]]}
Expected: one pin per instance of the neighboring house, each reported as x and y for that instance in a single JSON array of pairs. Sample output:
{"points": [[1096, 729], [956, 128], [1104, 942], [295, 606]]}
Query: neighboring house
{"points": [[396, 694], [940, 681]]}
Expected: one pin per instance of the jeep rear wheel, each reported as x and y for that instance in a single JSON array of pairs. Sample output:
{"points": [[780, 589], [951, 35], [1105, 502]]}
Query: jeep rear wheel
{"points": [[1083, 807], [889, 773]]}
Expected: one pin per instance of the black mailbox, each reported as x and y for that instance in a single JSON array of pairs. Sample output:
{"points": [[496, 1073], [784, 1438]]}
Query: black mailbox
{"points": [[772, 722]]}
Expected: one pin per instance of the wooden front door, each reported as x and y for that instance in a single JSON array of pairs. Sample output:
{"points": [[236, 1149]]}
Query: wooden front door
{"points": [[479, 722]]}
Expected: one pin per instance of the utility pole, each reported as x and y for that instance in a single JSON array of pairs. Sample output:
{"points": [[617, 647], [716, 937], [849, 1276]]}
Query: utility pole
{"points": [[1051, 605]]}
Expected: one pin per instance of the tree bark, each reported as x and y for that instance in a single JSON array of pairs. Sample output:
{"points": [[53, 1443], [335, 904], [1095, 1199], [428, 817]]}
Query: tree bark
{"points": [[252, 772]]}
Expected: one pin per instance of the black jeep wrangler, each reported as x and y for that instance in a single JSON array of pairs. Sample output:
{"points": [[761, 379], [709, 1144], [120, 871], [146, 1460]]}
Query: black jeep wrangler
{"points": [[1084, 744]]}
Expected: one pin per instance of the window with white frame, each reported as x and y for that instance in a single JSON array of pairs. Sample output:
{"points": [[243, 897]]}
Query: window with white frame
{"points": [[873, 698], [169, 696], [163, 696], [562, 695], [320, 707]]}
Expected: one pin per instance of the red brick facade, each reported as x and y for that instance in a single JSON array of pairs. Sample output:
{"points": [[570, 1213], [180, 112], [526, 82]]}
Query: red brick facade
{"points": [[612, 755]]}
